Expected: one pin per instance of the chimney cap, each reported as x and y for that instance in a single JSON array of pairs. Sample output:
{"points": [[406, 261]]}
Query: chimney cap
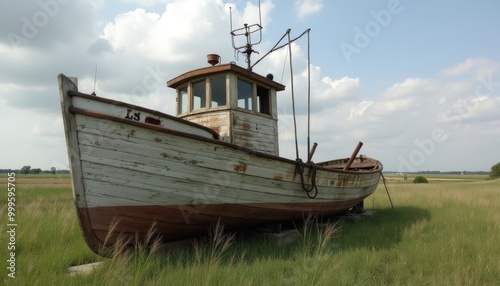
{"points": [[213, 59]]}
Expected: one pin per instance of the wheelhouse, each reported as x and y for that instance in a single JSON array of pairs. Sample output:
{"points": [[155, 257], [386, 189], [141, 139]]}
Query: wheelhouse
{"points": [[240, 105]]}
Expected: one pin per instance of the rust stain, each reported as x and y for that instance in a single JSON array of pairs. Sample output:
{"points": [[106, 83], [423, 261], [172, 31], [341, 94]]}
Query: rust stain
{"points": [[246, 126], [278, 177], [131, 133], [342, 183], [241, 167]]}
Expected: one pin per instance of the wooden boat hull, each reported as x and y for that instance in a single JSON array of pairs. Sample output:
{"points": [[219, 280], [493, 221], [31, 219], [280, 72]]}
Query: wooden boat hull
{"points": [[178, 177]]}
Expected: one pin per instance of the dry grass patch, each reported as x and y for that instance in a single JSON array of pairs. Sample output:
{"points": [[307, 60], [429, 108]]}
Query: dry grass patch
{"points": [[441, 233]]}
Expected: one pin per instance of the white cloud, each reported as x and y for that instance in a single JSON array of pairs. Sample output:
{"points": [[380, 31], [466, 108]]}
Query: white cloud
{"points": [[405, 114], [97, 4], [359, 110], [44, 25], [306, 8], [343, 87], [481, 65], [145, 3], [388, 107], [128, 30], [136, 53], [250, 14], [407, 87], [169, 37]]}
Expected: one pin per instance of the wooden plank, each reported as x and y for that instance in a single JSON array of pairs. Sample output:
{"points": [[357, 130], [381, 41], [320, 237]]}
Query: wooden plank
{"points": [[254, 131], [216, 120], [163, 166], [115, 108], [138, 115], [194, 154], [70, 131]]}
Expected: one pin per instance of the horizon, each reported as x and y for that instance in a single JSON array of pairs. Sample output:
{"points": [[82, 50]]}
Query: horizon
{"points": [[417, 82], [4, 170]]}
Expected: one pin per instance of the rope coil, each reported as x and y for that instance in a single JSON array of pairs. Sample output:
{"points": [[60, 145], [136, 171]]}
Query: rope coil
{"points": [[308, 189]]}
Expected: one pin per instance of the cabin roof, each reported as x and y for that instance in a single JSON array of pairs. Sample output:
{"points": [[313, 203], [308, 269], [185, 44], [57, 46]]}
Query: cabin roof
{"points": [[185, 77]]}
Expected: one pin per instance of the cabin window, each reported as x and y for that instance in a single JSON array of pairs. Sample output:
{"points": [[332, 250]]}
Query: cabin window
{"points": [[263, 100], [199, 94], [218, 91], [183, 100], [245, 95]]}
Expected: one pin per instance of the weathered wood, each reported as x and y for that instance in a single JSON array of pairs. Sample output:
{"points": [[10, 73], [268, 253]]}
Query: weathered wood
{"points": [[254, 127], [182, 179], [255, 132], [248, 129], [216, 120], [66, 86]]}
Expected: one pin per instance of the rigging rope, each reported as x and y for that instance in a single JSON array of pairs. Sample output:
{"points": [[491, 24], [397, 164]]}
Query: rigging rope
{"points": [[308, 94], [293, 96], [307, 189], [283, 71], [300, 164]]}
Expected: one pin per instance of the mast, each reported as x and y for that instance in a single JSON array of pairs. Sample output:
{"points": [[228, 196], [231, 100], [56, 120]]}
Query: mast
{"points": [[247, 50], [247, 31]]}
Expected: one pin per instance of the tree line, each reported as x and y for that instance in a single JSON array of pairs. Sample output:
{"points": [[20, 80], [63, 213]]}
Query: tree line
{"points": [[28, 170], [495, 171]]}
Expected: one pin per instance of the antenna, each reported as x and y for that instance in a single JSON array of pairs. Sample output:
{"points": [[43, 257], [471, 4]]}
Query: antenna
{"points": [[246, 31], [95, 79]]}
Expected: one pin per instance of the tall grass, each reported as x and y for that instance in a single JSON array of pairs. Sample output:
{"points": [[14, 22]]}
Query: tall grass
{"points": [[314, 258], [48, 238], [212, 252], [441, 233]]}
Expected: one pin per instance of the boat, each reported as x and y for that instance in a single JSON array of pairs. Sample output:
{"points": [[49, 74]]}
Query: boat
{"points": [[216, 161]]}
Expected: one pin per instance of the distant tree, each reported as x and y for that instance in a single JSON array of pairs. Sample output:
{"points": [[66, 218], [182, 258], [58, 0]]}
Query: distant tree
{"points": [[36, 171], [25, 169], [495, 171], [419, 180], [53, 170]]}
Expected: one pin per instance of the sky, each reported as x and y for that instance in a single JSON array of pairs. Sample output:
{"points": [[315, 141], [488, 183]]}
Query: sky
{"points": [[418, 82]]}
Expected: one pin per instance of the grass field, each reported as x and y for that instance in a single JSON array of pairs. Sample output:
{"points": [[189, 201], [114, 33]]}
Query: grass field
{"points": [[443, 233]]}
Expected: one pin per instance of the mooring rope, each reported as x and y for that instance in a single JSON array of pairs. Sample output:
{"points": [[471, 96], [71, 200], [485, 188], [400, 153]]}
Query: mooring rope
{"points": [[300, 163], [307, 189]]}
